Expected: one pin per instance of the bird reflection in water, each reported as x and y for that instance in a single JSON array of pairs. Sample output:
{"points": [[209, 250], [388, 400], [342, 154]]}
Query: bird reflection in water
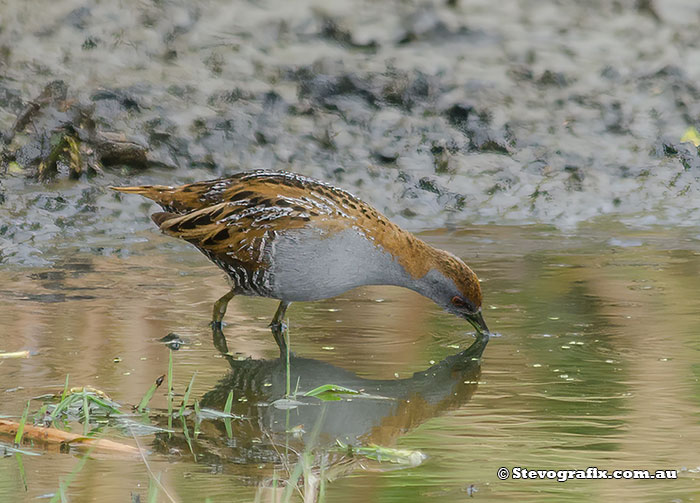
{"points": [[276, 432]]}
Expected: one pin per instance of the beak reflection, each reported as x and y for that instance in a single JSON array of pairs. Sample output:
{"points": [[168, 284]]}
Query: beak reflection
{"points": [[477, 320]]}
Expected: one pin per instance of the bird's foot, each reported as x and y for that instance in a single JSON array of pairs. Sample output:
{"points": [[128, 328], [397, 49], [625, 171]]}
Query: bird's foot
{"points": [[278, 327], [279, 330]]}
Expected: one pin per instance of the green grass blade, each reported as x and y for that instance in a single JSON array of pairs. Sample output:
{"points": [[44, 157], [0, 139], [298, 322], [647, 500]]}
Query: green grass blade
{"points": [[293, 480], [227, 410], [334, 388], [62, 405], [316, 430], [229, 428], [63, 485], [152, 490], [170, 389], [41, 414], [289, 343], [331, 392], [20, 466], [149, 394], [197, 419], [186, 432], [322, 482], [86, 414], [65, 389], [229, 402], [20, 430], [187, 396], [62, 492], [308, 487], [66, 400], [107, 405], [6, 449]]}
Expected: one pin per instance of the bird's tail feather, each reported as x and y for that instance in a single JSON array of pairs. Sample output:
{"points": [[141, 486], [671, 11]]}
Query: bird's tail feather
{"points": [[161, 194], [162, 216]]}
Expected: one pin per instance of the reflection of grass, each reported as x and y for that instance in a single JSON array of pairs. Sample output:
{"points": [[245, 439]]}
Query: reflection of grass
{"points": [[18, 441], [198, 418], [20, 430], [63, 484], [308, 477], [92, 406], [312, 465], [304, 472], [170, 388], [227, 411], [20, 467], [153, 483], [304, 465]]}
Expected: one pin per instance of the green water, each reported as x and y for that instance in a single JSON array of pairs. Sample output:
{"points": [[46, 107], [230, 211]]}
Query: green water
{"points": [[596, 365]]}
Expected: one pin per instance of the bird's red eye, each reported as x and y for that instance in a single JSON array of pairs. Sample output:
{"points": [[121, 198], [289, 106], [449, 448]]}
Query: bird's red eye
{"points": [[464, 304], [458, 301]]}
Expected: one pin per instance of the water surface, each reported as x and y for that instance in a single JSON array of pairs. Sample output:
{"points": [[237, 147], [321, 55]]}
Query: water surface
{"points": [[597, 364]]}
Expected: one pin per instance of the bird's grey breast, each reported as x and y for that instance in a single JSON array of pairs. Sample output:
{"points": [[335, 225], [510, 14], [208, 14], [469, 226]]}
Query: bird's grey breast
{"points": [[312, 264]]}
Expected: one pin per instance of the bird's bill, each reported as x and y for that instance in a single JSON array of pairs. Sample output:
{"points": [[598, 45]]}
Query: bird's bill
{"points": [[477, 320]]}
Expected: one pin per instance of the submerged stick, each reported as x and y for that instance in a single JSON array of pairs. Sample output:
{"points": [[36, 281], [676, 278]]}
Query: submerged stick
{"points": [[53, 435]]}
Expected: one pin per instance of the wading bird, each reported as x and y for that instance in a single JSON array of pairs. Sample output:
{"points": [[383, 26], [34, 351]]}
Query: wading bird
{"points": [[293, 238]]}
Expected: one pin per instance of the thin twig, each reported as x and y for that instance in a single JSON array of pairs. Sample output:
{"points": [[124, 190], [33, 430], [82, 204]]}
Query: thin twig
{"points": [[285, 461], [148, 467]]}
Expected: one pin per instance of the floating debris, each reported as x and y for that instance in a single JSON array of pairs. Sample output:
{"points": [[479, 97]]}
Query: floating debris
{"points": [[331, 392], [286, 404], [375, 452], [173, 341], [16, 354]]}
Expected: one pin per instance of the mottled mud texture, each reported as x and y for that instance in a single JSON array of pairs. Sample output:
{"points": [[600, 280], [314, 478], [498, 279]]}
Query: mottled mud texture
{"points": [[437, 113]]}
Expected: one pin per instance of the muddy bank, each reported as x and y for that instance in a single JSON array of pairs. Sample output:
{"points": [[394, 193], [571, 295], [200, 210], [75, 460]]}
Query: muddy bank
{"points": [[451, 113]]}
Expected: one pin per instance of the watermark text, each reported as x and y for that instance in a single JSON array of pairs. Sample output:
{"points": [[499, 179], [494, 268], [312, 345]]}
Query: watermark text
{"points": [[590, 473]]}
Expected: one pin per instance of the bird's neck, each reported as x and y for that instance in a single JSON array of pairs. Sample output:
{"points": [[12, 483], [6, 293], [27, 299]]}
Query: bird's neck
{"points": [[414, 255], [421, 264]]}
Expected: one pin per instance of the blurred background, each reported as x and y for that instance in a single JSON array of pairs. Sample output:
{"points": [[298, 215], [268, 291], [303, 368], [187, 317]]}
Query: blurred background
{"points": [[551, 145]]}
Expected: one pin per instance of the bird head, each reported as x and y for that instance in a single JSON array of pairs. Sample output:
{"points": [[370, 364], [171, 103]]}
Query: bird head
{"points": [[455, 287]]}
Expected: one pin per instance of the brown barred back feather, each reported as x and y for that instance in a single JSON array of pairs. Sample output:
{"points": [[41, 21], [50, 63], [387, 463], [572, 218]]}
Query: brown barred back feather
{"points": [[231, 219]]}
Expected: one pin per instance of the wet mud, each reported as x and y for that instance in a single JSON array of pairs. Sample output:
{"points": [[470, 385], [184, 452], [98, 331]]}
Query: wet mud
{"points": [[440, 114]]}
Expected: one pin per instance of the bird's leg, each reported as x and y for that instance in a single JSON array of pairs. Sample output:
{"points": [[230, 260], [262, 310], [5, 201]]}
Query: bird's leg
{"points": [[220, 309], [219, 339], [218, 315], [278, 327]]}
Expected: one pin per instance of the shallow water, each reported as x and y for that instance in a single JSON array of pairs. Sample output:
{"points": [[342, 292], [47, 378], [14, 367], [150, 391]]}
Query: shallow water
{"points": [[597, 364]]}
